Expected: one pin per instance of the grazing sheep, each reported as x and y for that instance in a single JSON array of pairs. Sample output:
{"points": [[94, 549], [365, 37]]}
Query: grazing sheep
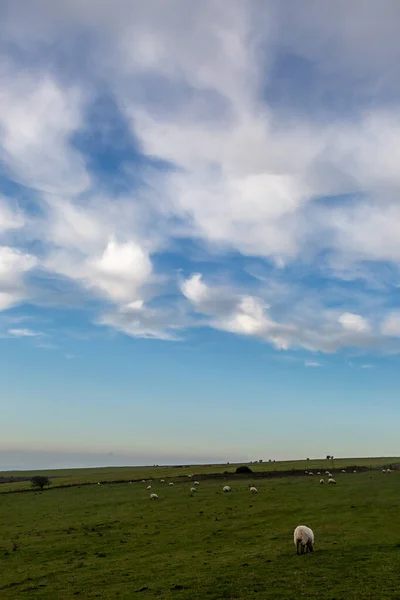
{"points": [[148, 487], [331, 480], [162, 480], [226, 488], [354, 471], [326, 472], [388, 470], [318, 473], [329, 474], [193, 489], [153, 497], [303, 539], [253, 490], [321, 481], [306, 472], [343, 470], [190, 476], [383, 470], [99, 483], [171, 483], [143, 481], [196, 483]]}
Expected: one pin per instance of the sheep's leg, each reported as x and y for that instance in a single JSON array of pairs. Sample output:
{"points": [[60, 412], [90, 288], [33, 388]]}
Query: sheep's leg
{"points": [[298, 547]]}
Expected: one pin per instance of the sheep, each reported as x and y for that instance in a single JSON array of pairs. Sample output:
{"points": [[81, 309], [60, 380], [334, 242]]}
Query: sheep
{"points": [[153, 497], [326, 472], [162, 480], [321, 481], [193, 489], [388, 470], [383, 470], [354, 471], [99, 483], [148, 487], [303, 539], [171, 483], [143, 481], [329, 475], [253, 490], [343, 470], [331, 480], [226, 488], [190, 476], [196, 483], [318, 473], [311, 473]]}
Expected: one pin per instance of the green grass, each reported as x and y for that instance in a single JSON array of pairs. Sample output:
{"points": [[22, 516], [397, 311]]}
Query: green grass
{"points": [[104, 474], [111, 541]]}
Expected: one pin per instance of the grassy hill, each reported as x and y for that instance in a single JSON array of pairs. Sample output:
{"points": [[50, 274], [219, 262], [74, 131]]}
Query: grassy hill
{"points": [[109, 474]]}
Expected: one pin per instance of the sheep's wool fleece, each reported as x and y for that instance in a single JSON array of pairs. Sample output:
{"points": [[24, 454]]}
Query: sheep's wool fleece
{"points": [[303, 534]]}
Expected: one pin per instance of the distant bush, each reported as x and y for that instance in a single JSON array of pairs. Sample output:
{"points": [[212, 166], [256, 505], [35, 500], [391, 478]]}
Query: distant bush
{"points": [[244, 469], [40, 481]]}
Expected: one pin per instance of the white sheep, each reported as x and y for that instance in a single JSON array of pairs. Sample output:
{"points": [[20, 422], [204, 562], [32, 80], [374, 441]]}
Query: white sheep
{"points": [[143, 481], [326, 472], [343, 470], [331, 480], [171, 483], [99, 483], [329, 474], [148, 487], [193, 489], [253, 490], [226, 488], [388, 470], [190, 476], [196, 483], [162, 480], [383, 470], [321, 481], [354, 471], [153, 497], [303, 539], [318, 473]]}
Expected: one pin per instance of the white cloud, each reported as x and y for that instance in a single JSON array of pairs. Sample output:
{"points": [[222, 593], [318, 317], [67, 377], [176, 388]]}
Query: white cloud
{"points": [[247, 173], [9, 217], [353, 322], [138, 320], [391, 325], [24, 333], [312, 364], [37, 117], [14, 264]]}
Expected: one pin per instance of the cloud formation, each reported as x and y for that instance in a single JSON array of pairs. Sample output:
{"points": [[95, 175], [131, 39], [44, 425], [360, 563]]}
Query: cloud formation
{"points": [[262, 132]]}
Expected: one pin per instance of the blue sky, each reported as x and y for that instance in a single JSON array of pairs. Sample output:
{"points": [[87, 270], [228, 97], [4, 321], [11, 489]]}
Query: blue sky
{"points": [[199, 231]]}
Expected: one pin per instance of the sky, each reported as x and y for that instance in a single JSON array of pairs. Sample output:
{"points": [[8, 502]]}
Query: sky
{"points": [[199, 231]]}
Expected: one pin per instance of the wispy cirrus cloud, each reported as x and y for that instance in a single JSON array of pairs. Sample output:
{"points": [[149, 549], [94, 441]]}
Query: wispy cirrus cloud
{"points": [[229, 143]]}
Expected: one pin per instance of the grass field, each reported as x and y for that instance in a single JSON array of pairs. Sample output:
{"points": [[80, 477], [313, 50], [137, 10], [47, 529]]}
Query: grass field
{"points": [[82, 476], [112, 541]]}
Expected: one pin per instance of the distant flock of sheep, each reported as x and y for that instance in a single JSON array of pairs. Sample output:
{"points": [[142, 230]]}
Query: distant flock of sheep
{"points": [[303, 536]]}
